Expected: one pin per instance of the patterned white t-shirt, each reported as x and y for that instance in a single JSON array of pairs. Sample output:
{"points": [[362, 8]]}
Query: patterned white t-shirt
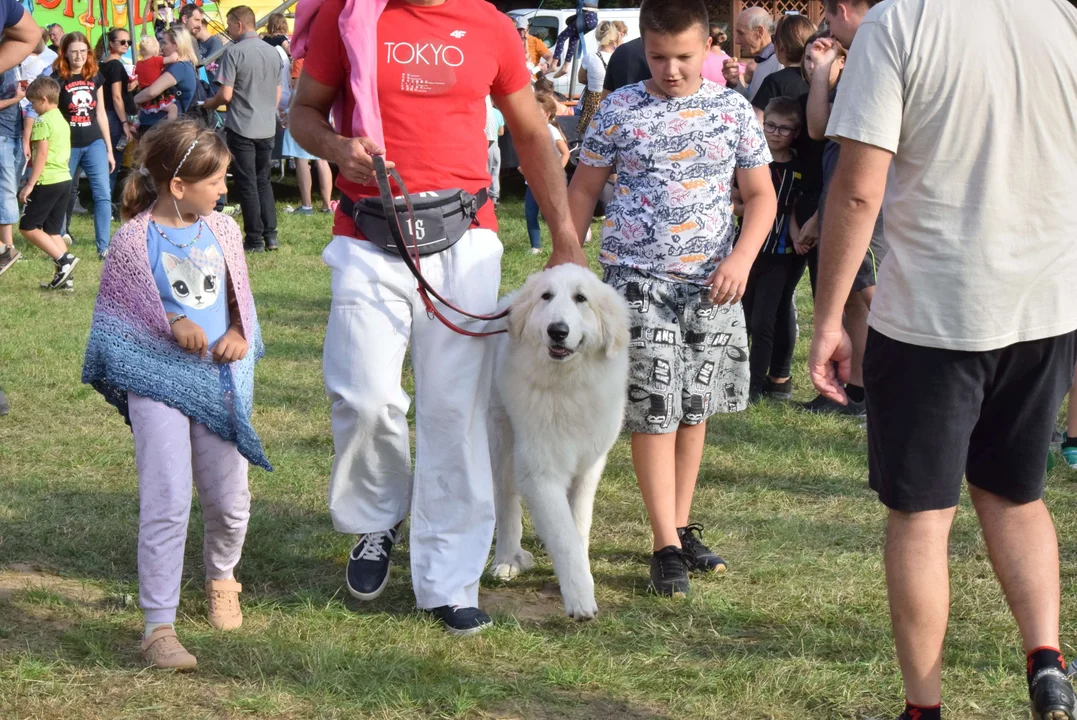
{"points": [[671, 215]]}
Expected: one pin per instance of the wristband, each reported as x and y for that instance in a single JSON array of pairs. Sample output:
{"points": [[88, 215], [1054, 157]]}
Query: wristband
{"points": [[176, 319]]}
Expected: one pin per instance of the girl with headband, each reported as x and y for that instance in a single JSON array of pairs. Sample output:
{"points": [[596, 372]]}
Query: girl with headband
{"points": [[173, 345]]}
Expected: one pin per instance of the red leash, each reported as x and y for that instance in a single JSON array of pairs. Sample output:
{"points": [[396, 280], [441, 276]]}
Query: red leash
{"points": [[382, 175]]}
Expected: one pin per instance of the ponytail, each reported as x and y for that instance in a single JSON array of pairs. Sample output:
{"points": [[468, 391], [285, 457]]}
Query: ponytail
{"points": [[139, 193]]}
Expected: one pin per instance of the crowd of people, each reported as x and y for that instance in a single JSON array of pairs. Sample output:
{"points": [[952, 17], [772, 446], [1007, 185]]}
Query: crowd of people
{"points": [[723, 179], [112, 94]]}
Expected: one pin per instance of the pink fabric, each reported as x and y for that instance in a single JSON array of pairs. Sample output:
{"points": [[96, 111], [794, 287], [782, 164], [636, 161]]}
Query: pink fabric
{"points": [[712, 67], [170, 452], [359, 30]]}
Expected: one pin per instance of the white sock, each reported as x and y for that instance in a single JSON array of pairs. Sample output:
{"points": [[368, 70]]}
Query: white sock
{"points": [[150, 627]]}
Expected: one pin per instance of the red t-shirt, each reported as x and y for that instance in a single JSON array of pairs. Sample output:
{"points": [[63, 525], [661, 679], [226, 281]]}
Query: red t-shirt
{"points": [[147, 71], [436, 65]]}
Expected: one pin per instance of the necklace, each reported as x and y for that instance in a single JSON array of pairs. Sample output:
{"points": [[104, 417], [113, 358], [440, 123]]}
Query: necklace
{"points": [[201, 225]]}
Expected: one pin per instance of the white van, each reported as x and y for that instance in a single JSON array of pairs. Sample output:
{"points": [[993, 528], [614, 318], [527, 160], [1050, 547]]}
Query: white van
{"points": [[548, 24]]}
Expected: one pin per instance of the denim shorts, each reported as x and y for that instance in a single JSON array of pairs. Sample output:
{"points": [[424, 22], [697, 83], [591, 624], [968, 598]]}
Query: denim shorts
{"points": [[11, 162]]}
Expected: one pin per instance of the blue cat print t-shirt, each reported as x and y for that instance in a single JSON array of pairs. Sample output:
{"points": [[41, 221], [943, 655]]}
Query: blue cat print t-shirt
{"points": [[192, 279]]}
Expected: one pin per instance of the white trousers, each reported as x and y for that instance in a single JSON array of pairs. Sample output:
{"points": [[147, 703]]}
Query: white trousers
{"points": [[376, 312]]}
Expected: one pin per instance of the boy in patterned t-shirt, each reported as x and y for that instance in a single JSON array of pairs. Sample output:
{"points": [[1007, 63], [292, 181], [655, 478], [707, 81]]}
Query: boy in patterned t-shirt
{"points": [[676, 143]]}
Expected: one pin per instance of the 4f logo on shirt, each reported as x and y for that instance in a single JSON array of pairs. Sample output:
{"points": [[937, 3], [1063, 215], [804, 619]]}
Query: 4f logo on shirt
{"points": [[431, 54], [458, 33]]}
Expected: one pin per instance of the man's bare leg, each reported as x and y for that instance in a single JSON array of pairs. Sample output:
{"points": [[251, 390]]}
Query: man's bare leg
{"points": [[1023, 547], [918, 586]]}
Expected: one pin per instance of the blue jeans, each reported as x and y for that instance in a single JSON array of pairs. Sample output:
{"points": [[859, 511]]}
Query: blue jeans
{"points": [[531, 212], [115, 132], [94, 162], [11, 161]]}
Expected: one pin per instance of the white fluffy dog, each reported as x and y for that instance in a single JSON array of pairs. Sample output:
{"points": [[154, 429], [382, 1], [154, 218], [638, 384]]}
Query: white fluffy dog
{"points": [[560, 388]]}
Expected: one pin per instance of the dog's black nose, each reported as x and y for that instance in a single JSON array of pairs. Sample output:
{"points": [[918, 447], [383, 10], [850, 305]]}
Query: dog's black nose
{"points": [[557, 331]]}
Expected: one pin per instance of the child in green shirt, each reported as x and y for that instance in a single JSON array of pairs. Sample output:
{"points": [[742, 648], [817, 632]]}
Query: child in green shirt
{"points": [[46, 193]]}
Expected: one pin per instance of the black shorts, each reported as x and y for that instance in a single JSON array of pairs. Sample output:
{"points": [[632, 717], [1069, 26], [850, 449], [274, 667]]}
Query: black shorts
{"points": [[937, 415], [868, 274], [46, 207]]}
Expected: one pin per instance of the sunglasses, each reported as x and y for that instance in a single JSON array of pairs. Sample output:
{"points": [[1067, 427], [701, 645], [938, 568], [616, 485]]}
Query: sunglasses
{"points": [[125, 43]]}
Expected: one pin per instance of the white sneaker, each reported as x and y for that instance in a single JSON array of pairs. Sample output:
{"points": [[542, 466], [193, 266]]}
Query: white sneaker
{"points": [[536, 251]]}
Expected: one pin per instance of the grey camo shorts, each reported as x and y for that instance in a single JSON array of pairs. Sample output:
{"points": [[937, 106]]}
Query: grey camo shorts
{"points": [[687, 360]]}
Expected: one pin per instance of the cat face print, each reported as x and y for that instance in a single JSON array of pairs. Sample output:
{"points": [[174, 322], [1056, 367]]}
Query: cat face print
{"points": [[194, 286]]}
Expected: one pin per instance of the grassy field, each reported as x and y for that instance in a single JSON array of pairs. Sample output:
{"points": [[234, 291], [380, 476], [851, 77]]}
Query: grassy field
{"points": [[797, 628]]}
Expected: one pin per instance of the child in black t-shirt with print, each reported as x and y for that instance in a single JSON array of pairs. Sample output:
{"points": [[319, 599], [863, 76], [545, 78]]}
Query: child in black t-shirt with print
{"points": [[772, 283]]}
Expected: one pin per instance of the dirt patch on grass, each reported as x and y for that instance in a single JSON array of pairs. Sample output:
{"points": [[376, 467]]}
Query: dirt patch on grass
{"points": [[20, 577], [524, 603]]}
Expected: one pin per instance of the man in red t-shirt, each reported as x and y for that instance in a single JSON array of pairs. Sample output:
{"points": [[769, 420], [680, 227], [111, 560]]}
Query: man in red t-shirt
{"points": [[438, 60]]}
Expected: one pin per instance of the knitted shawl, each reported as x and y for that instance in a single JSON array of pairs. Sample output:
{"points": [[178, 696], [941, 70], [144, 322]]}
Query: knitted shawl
{"points": [[132, 348]]}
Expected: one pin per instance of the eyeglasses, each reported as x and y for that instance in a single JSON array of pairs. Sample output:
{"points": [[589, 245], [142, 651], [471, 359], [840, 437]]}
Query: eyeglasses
{"points": [[779, 130], [125, 43], [73, 51]]}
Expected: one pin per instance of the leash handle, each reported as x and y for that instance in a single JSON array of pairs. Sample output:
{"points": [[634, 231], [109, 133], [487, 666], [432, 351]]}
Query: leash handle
{"points": [[382, 175]]}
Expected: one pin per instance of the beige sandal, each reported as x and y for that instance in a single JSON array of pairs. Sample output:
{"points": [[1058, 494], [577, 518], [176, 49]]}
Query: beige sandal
{"points": [[162, 649], [222, 597]]}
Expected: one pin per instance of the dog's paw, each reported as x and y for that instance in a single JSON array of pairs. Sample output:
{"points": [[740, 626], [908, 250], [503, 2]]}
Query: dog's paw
{"points": [[511, 566], [579, 599]]}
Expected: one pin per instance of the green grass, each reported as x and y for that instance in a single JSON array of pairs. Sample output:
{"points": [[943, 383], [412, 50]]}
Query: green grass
{"points": [[798, 627]]}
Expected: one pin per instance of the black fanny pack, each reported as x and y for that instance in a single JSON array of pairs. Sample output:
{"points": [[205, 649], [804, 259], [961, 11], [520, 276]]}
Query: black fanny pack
{"points": [[431, 221]]}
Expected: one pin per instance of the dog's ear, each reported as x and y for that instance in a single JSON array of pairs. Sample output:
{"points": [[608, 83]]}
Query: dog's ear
{"points": [[520, 308], [612, 314]]}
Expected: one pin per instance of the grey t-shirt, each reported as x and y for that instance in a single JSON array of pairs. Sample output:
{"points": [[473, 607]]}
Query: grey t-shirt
{"points": [[252, 69], [976, 99]]}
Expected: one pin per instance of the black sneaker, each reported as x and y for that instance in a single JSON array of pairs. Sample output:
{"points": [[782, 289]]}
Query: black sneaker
{"points": [[65, 265], [368, 564], [272, 244], [1052, 696], [778, 391], [68, 286], [823, 405], [669, 572], [4, 407], [699, 556], [460, 621], [755, 394], [254, 248]]}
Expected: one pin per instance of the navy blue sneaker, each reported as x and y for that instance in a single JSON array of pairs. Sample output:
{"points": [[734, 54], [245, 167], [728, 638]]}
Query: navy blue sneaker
{"points": [[669, 572], [460, 621], [1052, 696], [368, 564]]}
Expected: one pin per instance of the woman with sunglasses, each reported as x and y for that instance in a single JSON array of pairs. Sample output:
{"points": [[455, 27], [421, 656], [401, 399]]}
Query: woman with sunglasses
{"points": [[82, 103], [119, 102]]}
